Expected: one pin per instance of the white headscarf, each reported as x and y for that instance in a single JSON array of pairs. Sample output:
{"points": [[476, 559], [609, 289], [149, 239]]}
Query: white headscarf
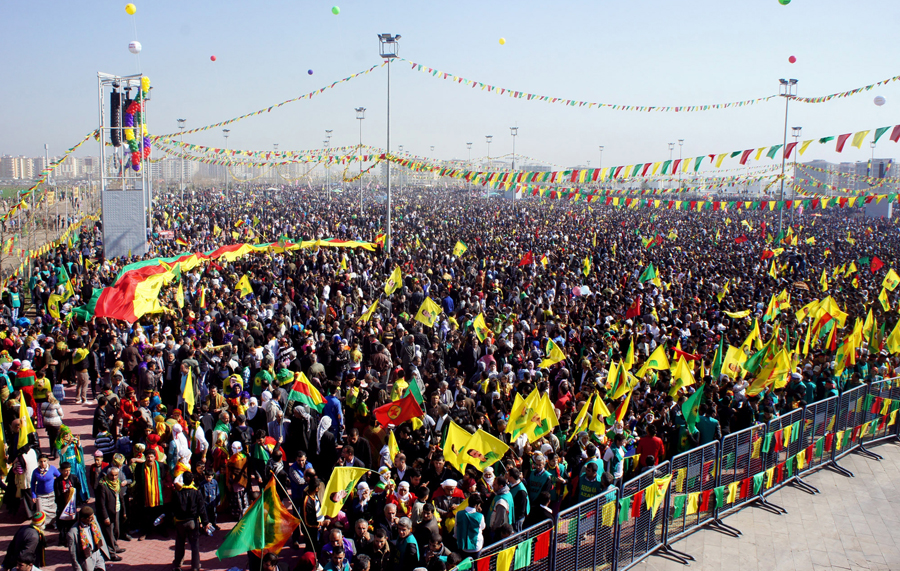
{"points": [[324, 425], [253, 408], [182, 447]]}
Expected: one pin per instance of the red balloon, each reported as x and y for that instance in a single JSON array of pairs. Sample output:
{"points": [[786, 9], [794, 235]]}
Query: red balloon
{"points": [[792, 59], [212, 58]]}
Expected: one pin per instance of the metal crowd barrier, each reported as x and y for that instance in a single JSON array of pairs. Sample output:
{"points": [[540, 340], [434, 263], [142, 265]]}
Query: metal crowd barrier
{"points": [[589, 535], [583, 542], [521, 537], [641, 536], [693, 472]]}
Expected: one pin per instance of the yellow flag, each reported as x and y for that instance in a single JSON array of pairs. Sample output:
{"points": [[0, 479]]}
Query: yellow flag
{"points": [[586, 266], [25, 425], [189, 392], [883, 298], [393, 448], [554, 355], [456, 439], [737, 314], [393, 282], [480, 327], [244, 286], [681, 376], [53, 305], [891, 280], [893, 340], [823, 281], [628, 361], [656, 361], [581, 421], [482, 450], [428, 312], [460, 248], [365, 317], [773, 272], [599, 412], [655, 493], [179, 294], [340, 486]]}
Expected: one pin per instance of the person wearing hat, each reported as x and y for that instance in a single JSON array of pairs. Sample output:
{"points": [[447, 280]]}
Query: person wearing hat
{"points": [[27, 543], [87, 548]]}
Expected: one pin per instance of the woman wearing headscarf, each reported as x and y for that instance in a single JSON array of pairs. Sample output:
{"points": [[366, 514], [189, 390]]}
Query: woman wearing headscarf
{"points": [[70, 451], [326, 449], [236, 480], [256, 418]]}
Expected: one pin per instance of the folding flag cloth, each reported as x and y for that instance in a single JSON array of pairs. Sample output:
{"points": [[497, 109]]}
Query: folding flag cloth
{"points": [[244, 286], [367, 315], [265, 527], [454, 442], [398, 412], [25, 425], [460, 248], [305, 392], [340, 486], [480, 327]]}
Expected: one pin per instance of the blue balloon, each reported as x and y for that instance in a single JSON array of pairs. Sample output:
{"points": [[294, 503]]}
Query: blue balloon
{"points": [[309, 71]]}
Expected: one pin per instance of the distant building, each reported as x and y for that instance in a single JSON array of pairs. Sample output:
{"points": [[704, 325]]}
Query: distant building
{"points": [[814, 175]]}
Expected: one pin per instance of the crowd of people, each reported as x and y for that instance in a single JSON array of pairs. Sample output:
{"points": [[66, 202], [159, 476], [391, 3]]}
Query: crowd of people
{"points": [[535, 270]]}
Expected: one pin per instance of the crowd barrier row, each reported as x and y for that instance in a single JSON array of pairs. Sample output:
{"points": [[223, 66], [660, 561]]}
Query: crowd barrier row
{"points": [[616, 530]]}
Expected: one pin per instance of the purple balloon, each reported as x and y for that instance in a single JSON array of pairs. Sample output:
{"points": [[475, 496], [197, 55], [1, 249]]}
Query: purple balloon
{"points": [[309, 71], [129, 120]]}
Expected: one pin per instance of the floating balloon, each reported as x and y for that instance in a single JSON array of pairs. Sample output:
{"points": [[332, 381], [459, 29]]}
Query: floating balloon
{"points": [[134, 47], [335, 10], [792, 59], [502, 41], [130, 9], [309, 71], [784, 2], [879, 101], [212, 58]]}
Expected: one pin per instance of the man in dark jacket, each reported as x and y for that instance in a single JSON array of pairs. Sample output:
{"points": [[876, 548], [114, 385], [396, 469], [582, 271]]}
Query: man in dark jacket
{"points": [[109, 507], [28, 542], [190, 517]]}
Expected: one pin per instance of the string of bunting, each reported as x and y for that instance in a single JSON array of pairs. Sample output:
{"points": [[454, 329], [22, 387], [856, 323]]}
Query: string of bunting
{"points": [[269, 109], [516, 94], [866, 179]]}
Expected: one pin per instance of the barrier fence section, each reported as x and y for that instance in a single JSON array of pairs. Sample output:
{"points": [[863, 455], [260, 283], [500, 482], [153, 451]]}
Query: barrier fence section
{"points": [[641, 531], [585, 534], [819, 423], [693, 477], [746, 448], [617, 529], [849, 416], [882, 400], [529, 548]]}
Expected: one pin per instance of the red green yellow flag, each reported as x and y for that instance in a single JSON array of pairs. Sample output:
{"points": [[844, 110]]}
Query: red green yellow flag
{"points": [[264, 528], [304, 392]]}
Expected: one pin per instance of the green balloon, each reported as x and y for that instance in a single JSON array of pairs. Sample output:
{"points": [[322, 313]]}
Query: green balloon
{"points": [[336, 10], [784, 2]]}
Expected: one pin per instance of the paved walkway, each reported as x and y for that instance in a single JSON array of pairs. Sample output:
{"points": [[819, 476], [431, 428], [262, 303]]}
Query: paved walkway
{"points": [[852, 524]]}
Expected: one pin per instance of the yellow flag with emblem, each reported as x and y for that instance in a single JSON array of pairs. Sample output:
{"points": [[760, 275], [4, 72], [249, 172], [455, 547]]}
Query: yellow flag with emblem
{"points": [[554, 355], [460, 248], [480, 327], [598, 414], [883, 298], [891, 280], [482, 450], [657, 361], [394, 281], [582, 420], [365, 317], [340, 486], [428, 312], [179, 294], [823, 281], [244, 286], [454, 442]]}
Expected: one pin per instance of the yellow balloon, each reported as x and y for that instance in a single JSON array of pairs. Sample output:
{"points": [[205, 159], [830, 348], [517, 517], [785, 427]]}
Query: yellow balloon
{"points": [[130, 9], [145, 83], [502, 41]]}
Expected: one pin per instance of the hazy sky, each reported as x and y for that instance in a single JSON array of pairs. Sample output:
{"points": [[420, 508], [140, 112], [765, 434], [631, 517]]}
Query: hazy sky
{"points": [[640, 52]]}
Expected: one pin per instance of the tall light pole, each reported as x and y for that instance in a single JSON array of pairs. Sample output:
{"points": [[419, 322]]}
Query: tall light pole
{"points": [[328, 162], [788, 89], [360, 115], [402, 174], [600, 166], [275, 176], [181, 126], [795, 132], [226, 132], [388, 47], [680, 149], [469, 164], [489, 138]]}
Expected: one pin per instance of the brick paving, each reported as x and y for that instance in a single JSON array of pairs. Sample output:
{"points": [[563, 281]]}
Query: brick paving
{"points": [[852, 524]]}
